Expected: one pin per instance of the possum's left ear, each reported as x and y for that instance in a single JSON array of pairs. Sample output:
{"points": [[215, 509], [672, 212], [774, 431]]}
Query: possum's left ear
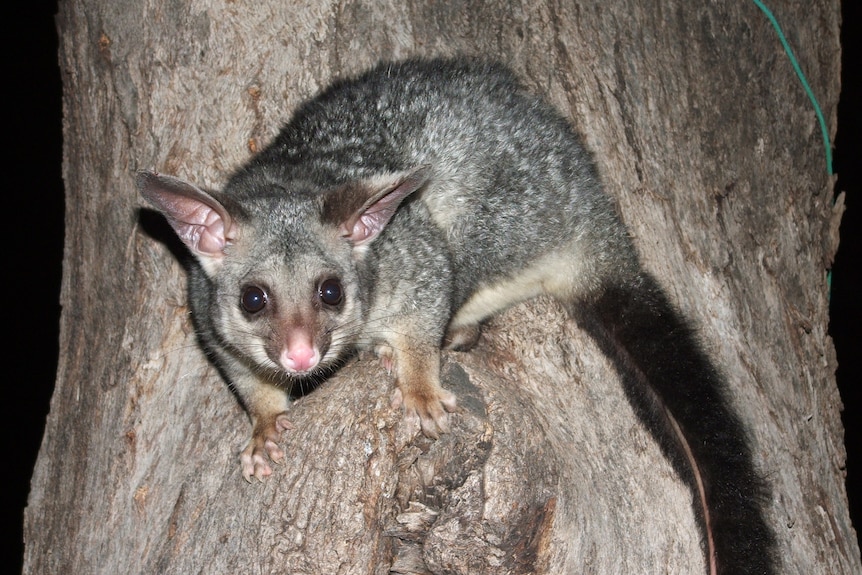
{"points": [[198, 219], [362, 209]]}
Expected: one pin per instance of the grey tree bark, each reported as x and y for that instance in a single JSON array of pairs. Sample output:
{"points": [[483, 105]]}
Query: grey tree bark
{"points": [[703, 135]]}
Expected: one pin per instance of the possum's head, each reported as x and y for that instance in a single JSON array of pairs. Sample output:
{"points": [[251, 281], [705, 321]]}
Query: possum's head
{"points": [[283, 261]]}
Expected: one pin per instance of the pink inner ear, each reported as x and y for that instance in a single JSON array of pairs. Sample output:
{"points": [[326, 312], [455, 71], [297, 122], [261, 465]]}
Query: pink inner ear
{"points": [[203, 231], [372, 218], [199, 220]]}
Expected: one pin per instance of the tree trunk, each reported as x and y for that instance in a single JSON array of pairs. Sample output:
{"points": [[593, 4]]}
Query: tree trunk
{"points": [[704, 136]]}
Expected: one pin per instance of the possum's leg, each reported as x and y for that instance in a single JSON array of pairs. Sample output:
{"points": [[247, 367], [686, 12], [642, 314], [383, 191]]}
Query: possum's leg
{"points": [[419, 391], [267, 407], [267, 426], [416, 363]]}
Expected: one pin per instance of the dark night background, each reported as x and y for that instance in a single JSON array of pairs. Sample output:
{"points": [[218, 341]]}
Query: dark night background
{"points": [[33, 155]]}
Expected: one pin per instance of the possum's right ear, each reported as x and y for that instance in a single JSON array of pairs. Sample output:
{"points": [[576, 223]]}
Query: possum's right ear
{"points": [[200, 221], [362, 209]]}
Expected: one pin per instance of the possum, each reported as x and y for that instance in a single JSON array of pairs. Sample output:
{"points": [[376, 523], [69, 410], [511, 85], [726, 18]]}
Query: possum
{"points": [[395, 212]]}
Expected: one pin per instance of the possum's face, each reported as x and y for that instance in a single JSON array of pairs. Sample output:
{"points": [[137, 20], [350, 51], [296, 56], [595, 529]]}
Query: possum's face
{"points": [[282, 257], [288, 295]]}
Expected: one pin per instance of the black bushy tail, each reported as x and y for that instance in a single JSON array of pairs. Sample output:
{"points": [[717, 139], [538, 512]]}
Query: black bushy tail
{"points": [[682, 398]]}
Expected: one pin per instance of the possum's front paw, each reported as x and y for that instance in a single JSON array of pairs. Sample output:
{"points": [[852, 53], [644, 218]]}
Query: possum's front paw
{"points": [[263, 447], [428, 406]]}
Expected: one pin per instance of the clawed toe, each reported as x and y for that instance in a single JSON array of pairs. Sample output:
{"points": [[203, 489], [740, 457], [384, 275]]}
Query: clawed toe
{"points": [[263, 448]]}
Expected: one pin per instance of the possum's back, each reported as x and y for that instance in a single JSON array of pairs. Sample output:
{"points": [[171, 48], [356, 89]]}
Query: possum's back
{"points": [[510, 179]]}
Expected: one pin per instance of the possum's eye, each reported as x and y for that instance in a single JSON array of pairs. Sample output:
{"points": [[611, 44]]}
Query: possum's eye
{"points": [[253, 299], [330, 292]]}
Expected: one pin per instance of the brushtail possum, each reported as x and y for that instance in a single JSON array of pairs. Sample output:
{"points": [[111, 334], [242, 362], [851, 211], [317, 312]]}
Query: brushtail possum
{"points": [[399, 209]]}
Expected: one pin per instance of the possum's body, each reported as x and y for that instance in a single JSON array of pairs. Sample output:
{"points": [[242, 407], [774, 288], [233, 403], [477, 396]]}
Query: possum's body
{"points": [[398, 210]]}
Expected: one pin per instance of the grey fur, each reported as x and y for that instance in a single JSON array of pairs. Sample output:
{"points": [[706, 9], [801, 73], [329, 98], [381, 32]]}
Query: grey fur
{"points": [[476, 195]]}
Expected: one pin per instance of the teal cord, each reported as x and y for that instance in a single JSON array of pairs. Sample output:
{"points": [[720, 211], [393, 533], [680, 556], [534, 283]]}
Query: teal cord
{"points": [[823, 129]]}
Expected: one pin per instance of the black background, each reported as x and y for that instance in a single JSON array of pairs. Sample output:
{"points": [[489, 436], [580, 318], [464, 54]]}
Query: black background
{"points": [[32, 179]]}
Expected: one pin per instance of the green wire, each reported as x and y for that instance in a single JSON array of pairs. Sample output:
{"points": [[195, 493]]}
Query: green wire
{"points": [[823, 129]]}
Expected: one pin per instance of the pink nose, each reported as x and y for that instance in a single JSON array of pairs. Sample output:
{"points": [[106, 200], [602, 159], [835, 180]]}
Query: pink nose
{"points": [[299, 357]]}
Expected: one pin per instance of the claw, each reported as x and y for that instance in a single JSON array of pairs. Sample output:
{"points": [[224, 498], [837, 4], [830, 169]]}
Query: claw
{"points": [[429, 410], [263, 448]]}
